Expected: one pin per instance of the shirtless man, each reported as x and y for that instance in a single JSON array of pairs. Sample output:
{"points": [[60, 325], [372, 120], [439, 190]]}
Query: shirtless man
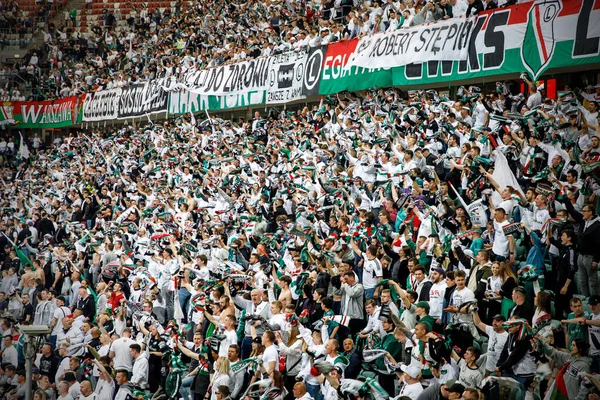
{"points": [[285, 297]]}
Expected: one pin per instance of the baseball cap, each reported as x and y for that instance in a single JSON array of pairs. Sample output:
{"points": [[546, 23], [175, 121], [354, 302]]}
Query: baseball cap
{"points": [[423, 304], [594, 300], [499, 317], [411, 371], [455, 388], [439, 270]]}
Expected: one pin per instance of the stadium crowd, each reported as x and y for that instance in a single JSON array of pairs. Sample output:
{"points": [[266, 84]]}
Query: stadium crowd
{"points": [[172, 41], [386, 245], [381, 245]]}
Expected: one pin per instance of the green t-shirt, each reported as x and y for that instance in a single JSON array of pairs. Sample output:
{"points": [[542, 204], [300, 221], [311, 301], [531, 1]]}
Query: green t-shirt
{"points": [[577, 331]]}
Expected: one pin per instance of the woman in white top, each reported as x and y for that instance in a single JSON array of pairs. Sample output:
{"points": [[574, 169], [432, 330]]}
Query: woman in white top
{"points": [[220, 377], [492, 292]]}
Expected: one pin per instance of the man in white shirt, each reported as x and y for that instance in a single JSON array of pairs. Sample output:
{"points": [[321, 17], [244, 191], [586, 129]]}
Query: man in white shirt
{"points": [[372, 270], [72, 336], [436, 293], [373, 323], [411, 387], [119, 352], [230, 335], [497, 339], [139, 375], [9, 354], [461, 295], [300, 393], [270, 357], [503, 247]]}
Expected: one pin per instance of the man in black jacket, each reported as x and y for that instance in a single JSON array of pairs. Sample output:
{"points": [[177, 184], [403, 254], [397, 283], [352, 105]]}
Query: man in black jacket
{"points": [[86, 303], [588, 247], [520, 309], [516, 360]]}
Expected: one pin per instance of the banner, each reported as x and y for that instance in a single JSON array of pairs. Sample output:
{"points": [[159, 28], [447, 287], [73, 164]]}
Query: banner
{"points": [[47, 114], [58, 113], [534, 37], [7, 113], [143, 98], [286, 77], [184, 101], [337, 75], [134, 100], [102, 105], [236, 78], [444, 40]]}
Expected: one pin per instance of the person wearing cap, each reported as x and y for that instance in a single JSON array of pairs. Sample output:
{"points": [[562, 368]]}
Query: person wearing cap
{"points": [[410, 385], [436, 296], [497, 337], [422, 311]]}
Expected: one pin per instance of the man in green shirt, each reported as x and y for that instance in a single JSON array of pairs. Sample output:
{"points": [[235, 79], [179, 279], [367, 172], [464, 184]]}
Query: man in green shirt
{"points": [[576, 331]]}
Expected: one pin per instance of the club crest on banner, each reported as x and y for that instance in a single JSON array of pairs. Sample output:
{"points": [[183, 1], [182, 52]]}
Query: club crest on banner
{"points": [[7, 117], [539, 41]]}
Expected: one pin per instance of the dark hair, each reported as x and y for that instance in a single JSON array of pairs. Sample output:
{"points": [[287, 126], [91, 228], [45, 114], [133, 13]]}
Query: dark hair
{"points": [[475, 351], [582, 346], [460, 274], [136, 347], [327, 302], [570, 234], [236, 348], [224, 390], [544, 301], [419, 268], [575, 300]]}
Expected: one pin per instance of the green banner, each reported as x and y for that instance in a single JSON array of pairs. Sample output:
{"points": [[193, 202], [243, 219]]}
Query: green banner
{"points": [[336, 76]]}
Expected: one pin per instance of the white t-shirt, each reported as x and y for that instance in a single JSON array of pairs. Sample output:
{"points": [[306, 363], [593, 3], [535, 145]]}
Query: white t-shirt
{"points": [[496, 344], [501, 245], [270, 354], [230, 338], [469, 377], [460, 297], [372, 270], [59, 314], [412, 391], [123, 359], [436, 298]]}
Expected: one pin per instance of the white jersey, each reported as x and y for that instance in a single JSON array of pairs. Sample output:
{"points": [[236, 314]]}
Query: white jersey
{"points": [[372, 271]]}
